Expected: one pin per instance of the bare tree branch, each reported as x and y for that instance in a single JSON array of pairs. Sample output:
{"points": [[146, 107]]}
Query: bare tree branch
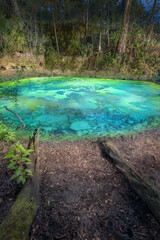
{"points": [[18, 117]]}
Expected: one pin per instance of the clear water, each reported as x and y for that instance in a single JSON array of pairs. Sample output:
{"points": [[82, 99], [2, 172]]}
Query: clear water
{"points": [[72, 108]]}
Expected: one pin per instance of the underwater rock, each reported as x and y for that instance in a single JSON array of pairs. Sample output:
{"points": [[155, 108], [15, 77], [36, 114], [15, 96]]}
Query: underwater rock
{"points": [[80, 125]]}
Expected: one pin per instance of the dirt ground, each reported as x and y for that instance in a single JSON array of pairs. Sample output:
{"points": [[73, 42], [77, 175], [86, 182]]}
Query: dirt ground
{"points": [[81, 191]]}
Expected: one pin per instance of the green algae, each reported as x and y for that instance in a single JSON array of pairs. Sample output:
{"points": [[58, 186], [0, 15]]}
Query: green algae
{"points": [[73, 108]]}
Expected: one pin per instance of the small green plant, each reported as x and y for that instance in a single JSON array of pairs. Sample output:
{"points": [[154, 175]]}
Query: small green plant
{"points": [[19, 160], [6, 134]]}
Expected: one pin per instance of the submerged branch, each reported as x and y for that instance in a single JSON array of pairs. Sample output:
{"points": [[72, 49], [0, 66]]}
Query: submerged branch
{"points": [[18, 117]]}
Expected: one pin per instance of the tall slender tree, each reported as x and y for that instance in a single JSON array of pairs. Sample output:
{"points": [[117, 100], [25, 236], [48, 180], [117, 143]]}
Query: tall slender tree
{"points": [[55, 30], [87, 17], [100, 27], [17, 11], [123, 38], [151, 21], [108, 22]]}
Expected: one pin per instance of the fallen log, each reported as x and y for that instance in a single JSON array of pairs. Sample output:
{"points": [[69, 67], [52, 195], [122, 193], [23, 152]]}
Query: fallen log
{"points": [[146, 191], [16, 225]]}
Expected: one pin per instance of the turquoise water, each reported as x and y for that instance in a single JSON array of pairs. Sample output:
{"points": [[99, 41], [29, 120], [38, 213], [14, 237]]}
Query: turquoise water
{"points": [[71, 108]]}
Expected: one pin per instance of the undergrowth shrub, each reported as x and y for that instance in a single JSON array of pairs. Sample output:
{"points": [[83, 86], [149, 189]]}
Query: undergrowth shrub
{"points": [[15, 38], [6, 133], [17, 154], [52, 59], [18, 162]]}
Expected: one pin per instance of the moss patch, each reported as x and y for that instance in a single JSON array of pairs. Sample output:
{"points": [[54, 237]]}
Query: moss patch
{"points": [[17, 224]]}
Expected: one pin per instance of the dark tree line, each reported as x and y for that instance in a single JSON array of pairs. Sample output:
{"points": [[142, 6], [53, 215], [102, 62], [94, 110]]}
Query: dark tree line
{"points": [[77, 27]]}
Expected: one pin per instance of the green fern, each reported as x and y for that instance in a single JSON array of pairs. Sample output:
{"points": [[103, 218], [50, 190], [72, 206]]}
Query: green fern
{"points": [[18, 162]]}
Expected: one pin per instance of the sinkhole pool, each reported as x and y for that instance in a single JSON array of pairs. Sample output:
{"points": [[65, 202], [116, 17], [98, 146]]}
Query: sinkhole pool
{"points": [[74, 108]]}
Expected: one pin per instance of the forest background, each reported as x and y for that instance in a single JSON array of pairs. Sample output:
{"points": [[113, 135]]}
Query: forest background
{"points": [[118, 38]]}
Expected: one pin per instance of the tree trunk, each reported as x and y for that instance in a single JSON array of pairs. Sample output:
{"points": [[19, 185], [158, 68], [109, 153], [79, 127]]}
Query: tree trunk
{"points": [[55, 33], [108, 24], [17, 11], [87, 15], [1, 40], [36, 35], [19, 220], [151, 23], [30, 33], [123, 38], [100, 41], [101, 28], [146, 191]]}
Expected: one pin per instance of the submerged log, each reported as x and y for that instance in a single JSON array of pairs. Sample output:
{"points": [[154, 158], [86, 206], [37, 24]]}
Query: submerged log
{"points": [[146, 191], [16, 225]]}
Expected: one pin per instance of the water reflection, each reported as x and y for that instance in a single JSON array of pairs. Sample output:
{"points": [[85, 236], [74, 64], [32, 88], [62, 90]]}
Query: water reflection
{"points": [[11, 93]]}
